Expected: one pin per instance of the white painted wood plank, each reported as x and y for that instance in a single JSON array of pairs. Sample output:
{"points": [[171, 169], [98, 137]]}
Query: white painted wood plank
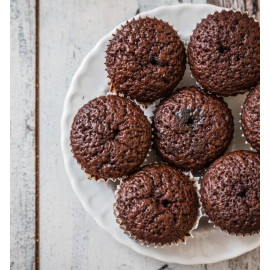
{"points": [[199, 1], [150, 4], [22, 183], [69, 238]]}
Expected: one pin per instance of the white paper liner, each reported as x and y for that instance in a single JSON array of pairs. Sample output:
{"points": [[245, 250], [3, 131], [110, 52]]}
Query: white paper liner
{"points": [[155, 245], [242, 132], [241, 128]]}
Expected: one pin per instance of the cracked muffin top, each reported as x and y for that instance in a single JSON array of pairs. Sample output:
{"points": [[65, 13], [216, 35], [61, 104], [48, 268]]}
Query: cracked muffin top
{"points": [[192, 128], [157, 205], [145, 59], [110, 137], [224, 53], [251, 118], [230, 192]]}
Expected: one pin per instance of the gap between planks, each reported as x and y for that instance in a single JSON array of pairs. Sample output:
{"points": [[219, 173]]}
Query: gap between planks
{"points": [[37, 167]]}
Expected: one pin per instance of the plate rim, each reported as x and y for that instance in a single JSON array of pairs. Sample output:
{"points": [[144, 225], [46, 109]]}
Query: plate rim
{"points": [[63, 139]]}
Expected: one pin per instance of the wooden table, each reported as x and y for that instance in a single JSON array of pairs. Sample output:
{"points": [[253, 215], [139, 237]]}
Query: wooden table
{"points": [[49, 227]]}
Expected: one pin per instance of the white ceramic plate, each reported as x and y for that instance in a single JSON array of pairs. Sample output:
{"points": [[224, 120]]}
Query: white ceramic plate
{"points": [[208, 245]]}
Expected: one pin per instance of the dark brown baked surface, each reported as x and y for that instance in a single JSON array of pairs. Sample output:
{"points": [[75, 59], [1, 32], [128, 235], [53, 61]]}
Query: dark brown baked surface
{"points": [[224, 53], [251, 118], [157, 205], [192, 128], [230, 192], [110, 137], [145, 60]]}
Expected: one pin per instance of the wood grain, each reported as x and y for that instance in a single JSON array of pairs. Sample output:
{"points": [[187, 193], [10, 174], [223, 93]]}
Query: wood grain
{"points": [[251, 6], [22, 182]]}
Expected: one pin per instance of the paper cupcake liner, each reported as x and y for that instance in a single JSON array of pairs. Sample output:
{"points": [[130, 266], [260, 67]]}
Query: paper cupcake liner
{"points": [[155, 245], [242, 131]]}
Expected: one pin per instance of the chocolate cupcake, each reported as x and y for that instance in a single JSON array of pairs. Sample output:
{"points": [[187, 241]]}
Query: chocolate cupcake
{"points": [[230, 192], [110, 137], [158, 205], [251, 118], [192, 128], [224, 53], [145, 59]]}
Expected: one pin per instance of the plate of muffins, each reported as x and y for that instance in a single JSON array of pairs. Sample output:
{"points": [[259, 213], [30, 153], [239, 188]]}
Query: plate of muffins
{"points": [[161, 140]]}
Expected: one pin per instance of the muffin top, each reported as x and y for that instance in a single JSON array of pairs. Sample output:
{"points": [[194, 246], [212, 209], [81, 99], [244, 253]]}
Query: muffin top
{"points": [[230, 192], [192, 128], [224, 53], [251, 118], [145, 59], [110, 137], [157, 205]]}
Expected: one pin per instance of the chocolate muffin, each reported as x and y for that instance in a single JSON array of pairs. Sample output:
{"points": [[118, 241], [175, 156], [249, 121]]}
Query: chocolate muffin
{"points": [[251, 118], [230, 192], [192, 128], [157, 205], [145, 59], [224, 53], [110, 137]]}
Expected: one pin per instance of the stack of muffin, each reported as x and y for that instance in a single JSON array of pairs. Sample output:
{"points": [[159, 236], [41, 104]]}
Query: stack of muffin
{"points": [[192, 128]]}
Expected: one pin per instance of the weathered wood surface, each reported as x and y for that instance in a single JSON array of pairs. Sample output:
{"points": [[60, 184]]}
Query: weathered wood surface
{"points": [[69, 238], [22, 181], [251, 6]]}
